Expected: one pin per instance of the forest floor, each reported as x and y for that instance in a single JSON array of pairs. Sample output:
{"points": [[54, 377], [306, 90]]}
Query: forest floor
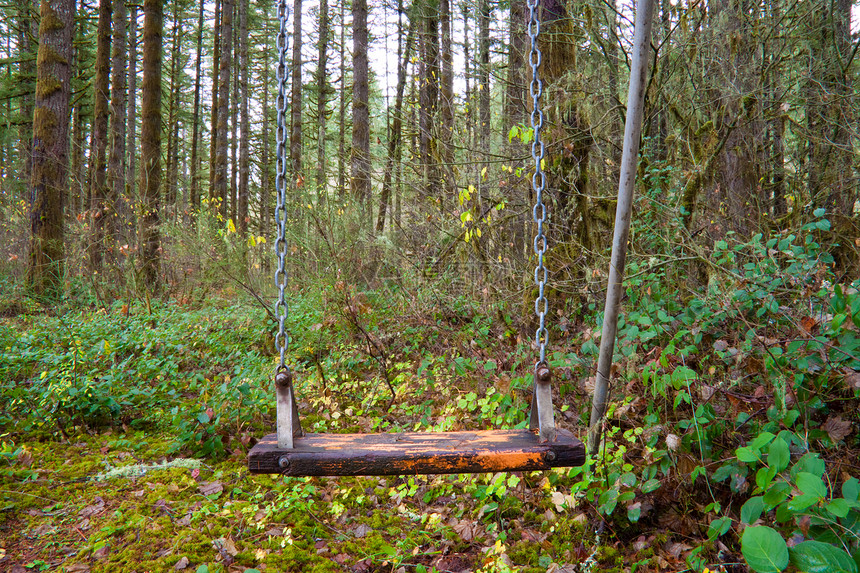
{"points": [[125, 433]]}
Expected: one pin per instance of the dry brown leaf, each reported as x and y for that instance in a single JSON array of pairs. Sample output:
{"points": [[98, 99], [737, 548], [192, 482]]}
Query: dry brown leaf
{"points": [[852, 378], [78, 568], [211, 488], [362, 530], [181, 564], [836, 428], [465, 529]]}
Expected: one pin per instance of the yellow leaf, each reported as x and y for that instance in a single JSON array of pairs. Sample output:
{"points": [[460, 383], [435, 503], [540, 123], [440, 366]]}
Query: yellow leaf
{"points": [[484, 173], [251, 241], [261, 240], [231, 228], [478, 231]]}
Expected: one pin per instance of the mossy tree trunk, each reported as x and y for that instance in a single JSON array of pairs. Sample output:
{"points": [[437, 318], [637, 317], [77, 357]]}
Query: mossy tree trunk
{"points": [[116, 177], [49, 178], [360, 160], [150, 144], [225, 67], [245, 130], [98, 209]]}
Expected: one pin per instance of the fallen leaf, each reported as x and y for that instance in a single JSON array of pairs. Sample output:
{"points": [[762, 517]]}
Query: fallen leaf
{"points": [[362, 530], [465, 529], [181, 564], [211, 488], [78, 568], [852, 378], [836, 428]]}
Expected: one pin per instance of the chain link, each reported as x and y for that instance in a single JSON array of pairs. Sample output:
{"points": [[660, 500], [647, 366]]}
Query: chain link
{"points": [[538, 182], [282, 339]]}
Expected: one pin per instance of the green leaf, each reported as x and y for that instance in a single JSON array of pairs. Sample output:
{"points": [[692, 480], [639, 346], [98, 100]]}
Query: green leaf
{"points": [[746, 455], [811, 484], [650, 485], [203, 418], [719, 527], [762, 440], [851, 489], [752, 510], [778, 455], [818, 557], [764, 549], [838, 507]]}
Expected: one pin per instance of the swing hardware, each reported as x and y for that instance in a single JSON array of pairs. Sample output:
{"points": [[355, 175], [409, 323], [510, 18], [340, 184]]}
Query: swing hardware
{"points": [[292, 452]]}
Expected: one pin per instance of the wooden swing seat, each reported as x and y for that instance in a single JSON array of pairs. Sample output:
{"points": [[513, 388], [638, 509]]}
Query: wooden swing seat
{"points": [[410, 453]]}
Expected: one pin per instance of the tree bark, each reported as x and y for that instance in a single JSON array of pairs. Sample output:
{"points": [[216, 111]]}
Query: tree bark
{"points": [[244, 150], [323, 92], [222, 147], [213, 129], [394, 145], [116, 176], [98, 213], [27, 79], [360, 160], [296, 100], [341, 113], [131, 146], [150, 144], [194, 198], [172, 155], [48, 185]]}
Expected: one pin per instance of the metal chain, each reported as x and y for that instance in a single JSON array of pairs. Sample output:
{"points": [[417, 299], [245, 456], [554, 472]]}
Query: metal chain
{"points": [[282, 339], [538, 182]]}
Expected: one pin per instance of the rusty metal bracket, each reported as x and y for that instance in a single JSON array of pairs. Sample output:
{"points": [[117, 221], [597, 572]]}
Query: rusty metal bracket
{"points": [[288, 423], [541, 416]]}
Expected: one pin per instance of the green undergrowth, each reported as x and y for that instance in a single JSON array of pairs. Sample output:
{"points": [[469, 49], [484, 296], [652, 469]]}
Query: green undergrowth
{"points": [[729, 441]]}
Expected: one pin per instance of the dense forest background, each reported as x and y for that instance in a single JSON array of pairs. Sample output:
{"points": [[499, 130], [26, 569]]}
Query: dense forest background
{"points": [[138, 214]]}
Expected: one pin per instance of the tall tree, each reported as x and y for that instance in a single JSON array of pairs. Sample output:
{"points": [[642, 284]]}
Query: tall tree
{"points": [[215, 110], [341, 112], [174, 90], [394, 137], [296, 101], [194, 198], [98, 162], [48, 185], [131, 146], [27, 77], [446, 105], [322, 100], [429, 94], [244, 135], [225, 67], [150, 143], [360, 160], [116, 176]]}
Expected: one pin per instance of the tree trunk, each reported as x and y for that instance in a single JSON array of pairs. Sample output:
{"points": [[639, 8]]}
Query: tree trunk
{"points": [[446, 107], [48, 185], [394, 138], [297, 177], [27, 80], [265, 167], [484, 16], [341, 113], [244, 151], [131, 146], [150, 144], [429, 73], [323, 91], [195, 121], [172, 155], [234, 122], [360, 160], [222, 148], [213, 129], [118, 102], [98, 213]]}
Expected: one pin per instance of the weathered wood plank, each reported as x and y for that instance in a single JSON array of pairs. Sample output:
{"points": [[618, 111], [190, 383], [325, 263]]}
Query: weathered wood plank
{"points": [[409, 453]]}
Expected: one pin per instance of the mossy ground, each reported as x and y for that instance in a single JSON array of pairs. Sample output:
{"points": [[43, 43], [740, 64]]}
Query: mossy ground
{"points": [[71, 508]]}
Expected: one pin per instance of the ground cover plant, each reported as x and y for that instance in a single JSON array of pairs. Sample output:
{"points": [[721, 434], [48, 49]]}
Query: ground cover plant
{"points": [[731, 442]]}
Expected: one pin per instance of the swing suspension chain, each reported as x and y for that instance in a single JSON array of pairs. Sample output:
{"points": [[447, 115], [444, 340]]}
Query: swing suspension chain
{"points": [[282, 340], [538, 183]]}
